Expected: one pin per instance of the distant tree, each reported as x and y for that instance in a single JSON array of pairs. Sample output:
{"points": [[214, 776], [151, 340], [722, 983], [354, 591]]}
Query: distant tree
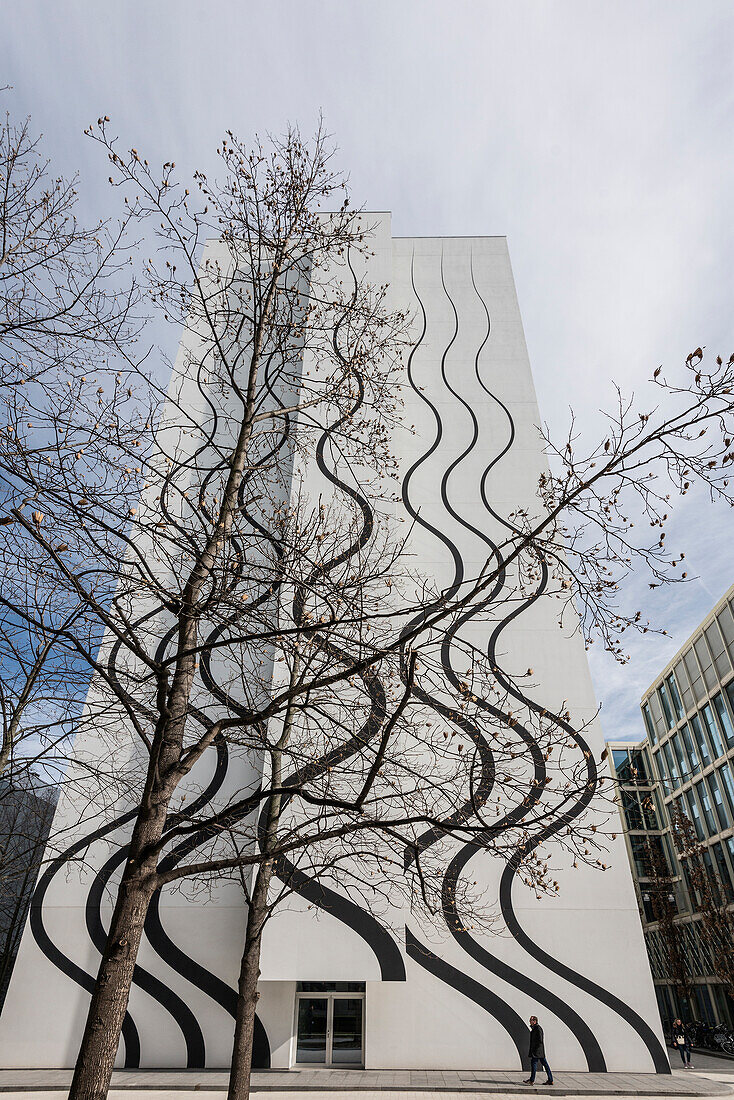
{"points": [[661, 890], [712, 899], [67, 297]]}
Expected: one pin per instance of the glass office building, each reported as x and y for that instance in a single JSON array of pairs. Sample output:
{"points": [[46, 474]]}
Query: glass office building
{"points": [[684, 762]]}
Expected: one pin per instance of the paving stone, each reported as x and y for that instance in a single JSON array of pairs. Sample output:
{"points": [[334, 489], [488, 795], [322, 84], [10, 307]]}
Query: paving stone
{"points": [[466, 1084]]}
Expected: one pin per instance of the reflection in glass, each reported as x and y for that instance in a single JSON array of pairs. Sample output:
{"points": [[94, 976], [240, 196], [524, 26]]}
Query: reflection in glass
{"points": [[311, 1042], [673, 689], [666, 706], [700, 739], [724, 718], [713, 731], [347, 1031]]}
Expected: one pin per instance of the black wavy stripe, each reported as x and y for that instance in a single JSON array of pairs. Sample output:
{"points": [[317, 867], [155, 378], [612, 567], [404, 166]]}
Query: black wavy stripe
{"points": [[464, 812], [455, 924], [589, 1042], [472, 989], [130, 1035], [592, 1051], [180, 961], [387, 952], [174, 1005], [491, 1002], [193, 1037]]}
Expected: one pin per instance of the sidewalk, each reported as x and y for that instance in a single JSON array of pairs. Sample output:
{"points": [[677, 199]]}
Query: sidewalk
{"points": [[380, 1084]]}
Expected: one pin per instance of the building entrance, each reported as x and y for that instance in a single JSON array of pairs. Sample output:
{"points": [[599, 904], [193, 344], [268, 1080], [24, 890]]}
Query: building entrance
{"points": [[330, 1026]]}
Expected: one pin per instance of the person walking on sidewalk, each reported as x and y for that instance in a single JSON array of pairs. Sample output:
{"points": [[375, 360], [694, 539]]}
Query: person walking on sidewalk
{"points": [[536, 1053], [681, 1037]]}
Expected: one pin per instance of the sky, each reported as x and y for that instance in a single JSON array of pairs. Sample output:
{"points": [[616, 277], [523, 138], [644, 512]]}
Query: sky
{"points": [[595, 135]]}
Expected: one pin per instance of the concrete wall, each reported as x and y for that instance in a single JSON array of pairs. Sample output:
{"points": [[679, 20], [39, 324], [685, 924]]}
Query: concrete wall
{"points": [[578, 961]]}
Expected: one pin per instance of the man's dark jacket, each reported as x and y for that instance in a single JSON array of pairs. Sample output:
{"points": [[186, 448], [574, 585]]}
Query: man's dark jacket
{"points": [[537, 1050]]}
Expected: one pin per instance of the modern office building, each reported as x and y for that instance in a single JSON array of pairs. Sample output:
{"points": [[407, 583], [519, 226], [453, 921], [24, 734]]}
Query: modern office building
{"points": [[685, 762], [26, 810], [345, 983]]}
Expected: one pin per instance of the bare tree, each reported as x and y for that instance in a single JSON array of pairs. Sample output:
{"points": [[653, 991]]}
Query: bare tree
{"points": [[712, 900], [65, 289], [170, 532], [662, 899]]}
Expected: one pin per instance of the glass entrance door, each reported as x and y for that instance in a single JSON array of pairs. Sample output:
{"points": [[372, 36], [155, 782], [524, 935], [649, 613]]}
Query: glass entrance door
{"points": [[311, 1033], [329, 1030], [346, 1031]]}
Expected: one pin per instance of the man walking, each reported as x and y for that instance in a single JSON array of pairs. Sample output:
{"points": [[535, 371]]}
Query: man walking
{"points": [[537, 1053]]}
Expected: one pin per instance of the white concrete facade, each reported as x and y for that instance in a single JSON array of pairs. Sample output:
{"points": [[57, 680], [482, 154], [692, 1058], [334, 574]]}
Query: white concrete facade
{"points": [[578, 962]]}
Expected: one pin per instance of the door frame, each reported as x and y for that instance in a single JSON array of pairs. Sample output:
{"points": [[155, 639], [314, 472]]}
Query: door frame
{"points": [[329, 997]]}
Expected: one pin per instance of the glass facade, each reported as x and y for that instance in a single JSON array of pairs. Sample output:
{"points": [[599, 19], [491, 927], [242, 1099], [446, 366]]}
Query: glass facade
{"points": [[686, 761]]}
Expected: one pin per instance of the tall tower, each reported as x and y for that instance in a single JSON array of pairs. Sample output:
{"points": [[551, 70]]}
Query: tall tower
{"points": [[340, 985]]}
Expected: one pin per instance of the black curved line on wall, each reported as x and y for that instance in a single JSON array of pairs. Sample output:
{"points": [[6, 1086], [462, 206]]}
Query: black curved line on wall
{"points": [[170, 1001], [130, 1035], [577, 1026], [158, 990], [498, 1009], [491, 1002], [180, 961], [359, 920], [657, 1053], [467, 810], [573, 1021]]}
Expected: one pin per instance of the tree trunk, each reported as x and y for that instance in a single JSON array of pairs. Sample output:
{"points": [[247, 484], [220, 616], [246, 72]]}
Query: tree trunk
{"points": [[108, 1005], [247, 995]]}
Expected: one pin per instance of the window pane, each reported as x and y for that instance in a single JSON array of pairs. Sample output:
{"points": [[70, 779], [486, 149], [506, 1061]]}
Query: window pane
{"points": [[671, 764], [648, 723], [726, 622], [730, 848], [649, 814], [723, 869], [730, 693], [690, 748], [694, 814], [346, 1043], [708, 812], [681, 677], [675, 697], [632, 812], [716, 645], [700, 737], [727, 782], [666, 706], [694, 675], [680, 757], [660, 763], [724, 719], [621, 765], [638, 766], [704, 659], [721, 811], [640, 856], [704, 1003], [311, 1033], [657, 714], [713, 731]]}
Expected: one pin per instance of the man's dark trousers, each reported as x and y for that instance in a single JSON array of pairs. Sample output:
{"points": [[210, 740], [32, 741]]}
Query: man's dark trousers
{"points": [[534, 1063]]}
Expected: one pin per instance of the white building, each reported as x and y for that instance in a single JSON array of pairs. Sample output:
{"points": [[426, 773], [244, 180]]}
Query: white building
{"points": [[338, 986]]}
